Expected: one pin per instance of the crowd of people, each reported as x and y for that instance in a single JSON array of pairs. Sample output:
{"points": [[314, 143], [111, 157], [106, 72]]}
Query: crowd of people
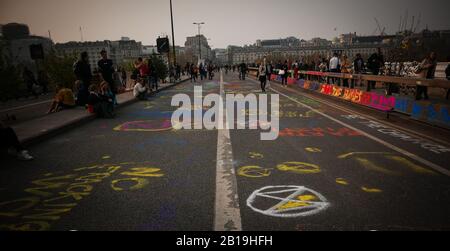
{"points": [[341, 64]]}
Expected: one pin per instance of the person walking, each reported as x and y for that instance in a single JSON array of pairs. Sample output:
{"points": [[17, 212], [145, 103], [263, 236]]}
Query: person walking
{"points": [[262, 73], [427, 70], [242, 71], [193, 72], [83, 74], [43, 81]]}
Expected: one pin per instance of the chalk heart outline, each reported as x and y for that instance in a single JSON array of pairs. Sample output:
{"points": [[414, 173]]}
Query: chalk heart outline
{"points": [[313, 208], [145, 126]]}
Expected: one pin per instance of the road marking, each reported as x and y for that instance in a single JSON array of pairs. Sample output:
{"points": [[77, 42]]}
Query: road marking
{"points": [[368, 117], [227, 215], [301, 202], [386, 144]]}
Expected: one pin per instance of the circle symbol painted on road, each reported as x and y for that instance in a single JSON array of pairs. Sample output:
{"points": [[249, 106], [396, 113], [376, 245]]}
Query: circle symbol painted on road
{"points": [[287, 201]]}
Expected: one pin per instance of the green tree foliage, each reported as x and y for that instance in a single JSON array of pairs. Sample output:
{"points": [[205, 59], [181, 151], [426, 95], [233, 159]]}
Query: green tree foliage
{"points": [[160, 67], [11, 83], [60, 69]]}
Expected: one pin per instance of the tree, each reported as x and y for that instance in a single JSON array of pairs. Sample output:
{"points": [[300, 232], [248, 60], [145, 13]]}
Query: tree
{"points": [[160, 67], [60, 69], [11, 83]]}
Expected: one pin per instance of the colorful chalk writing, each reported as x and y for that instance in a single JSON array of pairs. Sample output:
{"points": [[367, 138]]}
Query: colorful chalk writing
{"points": [[368, 161], [254, 172], [318, 132], [434, 113], [53, 197], [299, 167]]}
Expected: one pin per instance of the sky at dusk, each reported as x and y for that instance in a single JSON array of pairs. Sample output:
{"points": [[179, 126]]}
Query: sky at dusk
{"points": [[228, 22]]}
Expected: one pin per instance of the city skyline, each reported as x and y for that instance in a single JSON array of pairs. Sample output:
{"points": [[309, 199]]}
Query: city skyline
{"points": [[263, 19]]}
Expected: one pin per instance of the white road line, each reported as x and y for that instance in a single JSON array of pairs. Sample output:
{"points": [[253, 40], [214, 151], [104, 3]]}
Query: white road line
{"points": [[227, 215], [386, 144]]}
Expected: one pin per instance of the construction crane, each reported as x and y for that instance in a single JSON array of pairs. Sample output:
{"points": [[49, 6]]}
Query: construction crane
{"points": [[379, 27]]}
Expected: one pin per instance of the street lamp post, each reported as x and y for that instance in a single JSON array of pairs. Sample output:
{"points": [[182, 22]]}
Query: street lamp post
{"points": [[199, 41], [173, 36]]}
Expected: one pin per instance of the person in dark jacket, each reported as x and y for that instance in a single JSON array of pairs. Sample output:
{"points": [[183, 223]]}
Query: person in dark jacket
{"points": [[84, 75], [242, 71], [10, 143], [374, 64], [447, 75], [30, 81], [106, 68], [358, 67]]}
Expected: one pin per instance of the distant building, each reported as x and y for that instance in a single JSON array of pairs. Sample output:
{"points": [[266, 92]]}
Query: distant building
{"points": [[221, 56], [121, 52], [192, 45], [16, 41]]}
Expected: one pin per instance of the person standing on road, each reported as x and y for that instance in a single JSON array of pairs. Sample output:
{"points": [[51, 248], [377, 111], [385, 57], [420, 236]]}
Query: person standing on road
{"points": [[82, 70], [285, 73], [242, 71], [345, 69], [447, 75], [11, 144], [374, 64], [124, 78], [193, 72], [43, 81], [358, 68], [30, 81], [210, 71], [335, 67], [262, 73], [105, 66], [427, 69]]}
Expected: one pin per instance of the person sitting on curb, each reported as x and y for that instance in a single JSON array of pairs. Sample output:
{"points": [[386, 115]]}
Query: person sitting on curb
{"points": [[99, 104], [10, 143], [64, 99], [105, 90], [139, 90]]}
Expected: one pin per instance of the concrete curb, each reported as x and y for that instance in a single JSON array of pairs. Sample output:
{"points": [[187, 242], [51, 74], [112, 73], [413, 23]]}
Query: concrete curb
{"points": [[42, 136]]}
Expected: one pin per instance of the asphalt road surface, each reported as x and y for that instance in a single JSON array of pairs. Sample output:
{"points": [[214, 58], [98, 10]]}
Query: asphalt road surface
{"points": [[332, 168]]}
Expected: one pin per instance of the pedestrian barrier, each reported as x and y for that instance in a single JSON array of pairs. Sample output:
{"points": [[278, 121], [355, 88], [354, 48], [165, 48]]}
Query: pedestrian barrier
{"points": [[433, 112]]}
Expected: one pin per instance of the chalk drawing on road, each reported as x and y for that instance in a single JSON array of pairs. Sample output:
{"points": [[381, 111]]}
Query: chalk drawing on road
{"points": [[313, 150], [255, 155], [290, 201], [299, 167], [254, 172], [342, 181], [157, 125], [371, 190], [363, 159]]}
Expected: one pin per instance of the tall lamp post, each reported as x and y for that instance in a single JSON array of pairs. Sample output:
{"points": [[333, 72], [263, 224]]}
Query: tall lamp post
{"points": [[173, 36], [199, 41]]}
